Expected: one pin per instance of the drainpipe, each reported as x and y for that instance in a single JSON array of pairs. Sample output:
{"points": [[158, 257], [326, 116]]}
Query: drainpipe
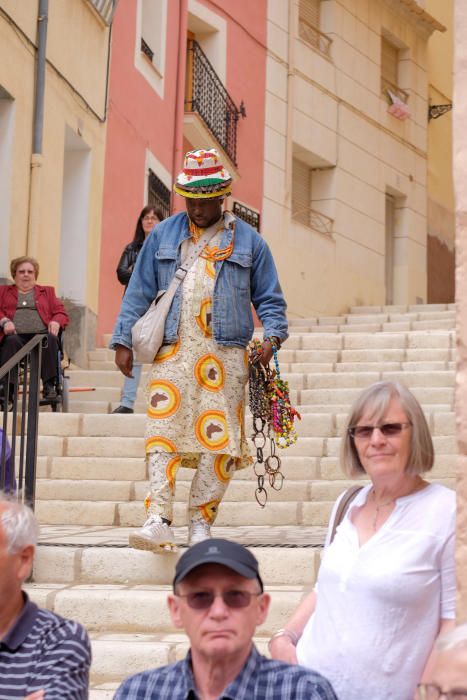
{"points": [[293, 17], [38, 128], [180, 91]]}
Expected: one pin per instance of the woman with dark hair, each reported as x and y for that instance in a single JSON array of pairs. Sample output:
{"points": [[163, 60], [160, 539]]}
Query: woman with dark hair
{"points": [[149, 217]]}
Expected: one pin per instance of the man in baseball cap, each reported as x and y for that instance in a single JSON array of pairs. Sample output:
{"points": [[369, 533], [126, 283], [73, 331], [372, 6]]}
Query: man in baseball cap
{"points": [[218, 600]]}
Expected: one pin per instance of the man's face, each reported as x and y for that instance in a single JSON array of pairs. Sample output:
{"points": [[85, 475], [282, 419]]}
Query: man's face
{"points": [[219, 631], [14, 567], [204, 212], [450, 671]]}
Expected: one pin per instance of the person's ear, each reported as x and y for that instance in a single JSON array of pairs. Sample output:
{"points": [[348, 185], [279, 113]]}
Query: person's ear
{"points": [[25, 560], [174, 609], [264, 602]]}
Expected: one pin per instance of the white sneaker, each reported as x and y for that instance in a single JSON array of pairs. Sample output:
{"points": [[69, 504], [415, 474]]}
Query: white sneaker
{"points": [[198, 531], [155, 536]]}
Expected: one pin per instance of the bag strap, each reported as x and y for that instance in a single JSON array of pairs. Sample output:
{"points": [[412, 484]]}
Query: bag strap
{"points": [[343, 507], [188, 262]]}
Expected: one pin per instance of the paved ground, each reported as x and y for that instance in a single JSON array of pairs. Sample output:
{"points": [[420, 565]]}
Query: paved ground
{"points": [[259, 536]]}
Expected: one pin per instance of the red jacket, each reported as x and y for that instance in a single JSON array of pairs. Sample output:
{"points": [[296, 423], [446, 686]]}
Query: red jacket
{"points": [[48, 306]]}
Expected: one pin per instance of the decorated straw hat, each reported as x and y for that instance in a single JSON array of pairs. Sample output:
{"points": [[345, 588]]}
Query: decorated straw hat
{"points": [[203, 175]]}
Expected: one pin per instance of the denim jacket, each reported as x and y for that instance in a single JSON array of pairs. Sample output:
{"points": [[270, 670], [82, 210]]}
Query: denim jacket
{"points": [[247, 277]]}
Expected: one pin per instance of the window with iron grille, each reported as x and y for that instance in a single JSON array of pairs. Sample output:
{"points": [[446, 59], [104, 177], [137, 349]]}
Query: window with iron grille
{"points": [[302, 209], [390, 69], [249, 215], [308, 25], [151, 31], [158, 193]]}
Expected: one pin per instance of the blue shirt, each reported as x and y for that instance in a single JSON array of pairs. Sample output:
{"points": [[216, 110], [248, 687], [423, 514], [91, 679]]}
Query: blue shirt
{"points": [[260, 679], [248, 276], [44, 650]]}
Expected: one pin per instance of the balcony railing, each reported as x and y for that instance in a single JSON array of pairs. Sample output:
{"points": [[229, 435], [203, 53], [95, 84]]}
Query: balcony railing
{"points": [[312, 36], [313, 219], [249, 215], [206, 95]]}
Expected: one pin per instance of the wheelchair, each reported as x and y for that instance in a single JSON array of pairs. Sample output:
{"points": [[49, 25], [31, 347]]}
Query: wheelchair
{"points": [[60, 403]]}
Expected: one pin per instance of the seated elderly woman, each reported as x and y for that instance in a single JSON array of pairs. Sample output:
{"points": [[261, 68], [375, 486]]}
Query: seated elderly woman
{"points": [[27, 308], [386, 585]]}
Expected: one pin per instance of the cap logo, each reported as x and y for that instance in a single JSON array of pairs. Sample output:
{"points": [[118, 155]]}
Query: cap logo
{"points": [[212, 550]]}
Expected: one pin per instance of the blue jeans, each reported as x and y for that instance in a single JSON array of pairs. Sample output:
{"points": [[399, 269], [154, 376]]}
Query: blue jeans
{"points": [[130, 387]]}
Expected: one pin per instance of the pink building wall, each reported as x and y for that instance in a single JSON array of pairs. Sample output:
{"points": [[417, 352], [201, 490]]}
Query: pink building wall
{"points": [[139, 120]]}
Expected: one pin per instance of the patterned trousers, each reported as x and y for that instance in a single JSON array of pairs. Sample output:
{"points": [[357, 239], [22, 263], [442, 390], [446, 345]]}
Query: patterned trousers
{"points": [[209, 484]]}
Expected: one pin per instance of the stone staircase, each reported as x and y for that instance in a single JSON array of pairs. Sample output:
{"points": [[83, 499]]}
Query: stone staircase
{"points": [[92, 479]]}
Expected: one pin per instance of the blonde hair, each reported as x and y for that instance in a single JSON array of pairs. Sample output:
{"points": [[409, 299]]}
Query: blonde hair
{"points": [[16, 262], [374, 402]]}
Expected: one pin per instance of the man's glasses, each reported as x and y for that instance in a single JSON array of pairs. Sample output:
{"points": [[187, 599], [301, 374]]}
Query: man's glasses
{"points": [[364, 432], [430, 691], [202, 600]]}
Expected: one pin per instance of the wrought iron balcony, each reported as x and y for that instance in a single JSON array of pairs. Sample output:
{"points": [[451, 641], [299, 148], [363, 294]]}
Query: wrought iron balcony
{"points": [[206, 95]]}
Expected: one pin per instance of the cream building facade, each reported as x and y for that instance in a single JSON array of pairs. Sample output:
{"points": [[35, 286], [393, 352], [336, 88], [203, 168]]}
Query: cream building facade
{"points": [[345, 179], [51, 160]]}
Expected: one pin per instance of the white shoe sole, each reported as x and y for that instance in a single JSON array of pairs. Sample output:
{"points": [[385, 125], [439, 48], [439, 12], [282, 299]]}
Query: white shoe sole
{"points": [[139, 542]]}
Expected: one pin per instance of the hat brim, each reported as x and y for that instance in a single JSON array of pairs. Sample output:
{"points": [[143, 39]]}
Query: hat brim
{"points": [[238, 567], [193, 194]]}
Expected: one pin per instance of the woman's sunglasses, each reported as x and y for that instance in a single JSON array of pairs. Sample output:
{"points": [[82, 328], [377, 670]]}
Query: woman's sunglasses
{"points": [[364, 432]]}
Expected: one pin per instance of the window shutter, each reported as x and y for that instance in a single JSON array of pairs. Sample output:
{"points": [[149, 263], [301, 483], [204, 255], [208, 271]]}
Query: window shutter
{"points": [[309, 12], [301, 192]]}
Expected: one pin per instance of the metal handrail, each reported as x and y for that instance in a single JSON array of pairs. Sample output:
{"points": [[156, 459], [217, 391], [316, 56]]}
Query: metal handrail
{"points": [[23, 369], [207, 96]]}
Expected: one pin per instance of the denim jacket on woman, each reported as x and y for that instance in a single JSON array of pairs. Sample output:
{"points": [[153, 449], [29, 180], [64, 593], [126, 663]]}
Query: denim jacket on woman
{"points": [[247, 277]]}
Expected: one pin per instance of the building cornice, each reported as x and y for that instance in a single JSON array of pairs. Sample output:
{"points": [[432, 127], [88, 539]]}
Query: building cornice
{"points": [[420, 18]]}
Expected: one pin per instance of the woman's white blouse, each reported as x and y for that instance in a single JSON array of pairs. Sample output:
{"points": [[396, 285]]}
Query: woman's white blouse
{"points": [[379, 605]]}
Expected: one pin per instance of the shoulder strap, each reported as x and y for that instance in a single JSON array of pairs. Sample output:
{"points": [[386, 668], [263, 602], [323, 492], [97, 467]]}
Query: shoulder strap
{"points": [[343, 507], [181, 272]]}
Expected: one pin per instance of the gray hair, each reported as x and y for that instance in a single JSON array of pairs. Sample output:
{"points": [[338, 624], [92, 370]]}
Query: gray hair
{"points": [[453, 639], [18, 523], [374, 402]]}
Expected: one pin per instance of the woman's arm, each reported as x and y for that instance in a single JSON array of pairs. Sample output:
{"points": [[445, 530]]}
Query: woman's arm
{"points": [[444, 626], [125, 267], [282, 647]]}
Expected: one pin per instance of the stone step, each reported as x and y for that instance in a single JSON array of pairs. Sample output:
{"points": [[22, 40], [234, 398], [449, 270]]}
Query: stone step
{"points": [[344, 397], [396, 308], [139, 609], [121, 565]]}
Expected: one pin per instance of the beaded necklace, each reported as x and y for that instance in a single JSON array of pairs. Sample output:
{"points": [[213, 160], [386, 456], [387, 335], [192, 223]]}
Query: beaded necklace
{"points": [[273, 418], [213, 253]]}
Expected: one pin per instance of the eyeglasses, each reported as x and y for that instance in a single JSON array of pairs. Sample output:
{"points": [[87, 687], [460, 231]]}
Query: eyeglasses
{"points": [[150, 217], [364, 432], [430, 691], [202, 600]]}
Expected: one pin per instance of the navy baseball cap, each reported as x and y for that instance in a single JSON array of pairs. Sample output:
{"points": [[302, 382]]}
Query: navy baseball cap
{"points": [[218, 551]]}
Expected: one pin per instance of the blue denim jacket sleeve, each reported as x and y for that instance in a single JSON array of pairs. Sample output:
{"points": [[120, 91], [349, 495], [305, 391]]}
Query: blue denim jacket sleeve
{"points": [[141, 291], [266, 292]]}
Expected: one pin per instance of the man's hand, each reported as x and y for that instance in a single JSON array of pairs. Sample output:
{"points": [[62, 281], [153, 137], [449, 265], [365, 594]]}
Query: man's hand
{"points": [[54, 327], [37, 695], [124, 360], [267, 352], [9, 328]]}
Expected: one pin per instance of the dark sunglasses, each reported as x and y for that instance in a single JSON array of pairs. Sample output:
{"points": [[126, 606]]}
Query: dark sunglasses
{"points": [[429, 691], [202, 600], [364, 432]]}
